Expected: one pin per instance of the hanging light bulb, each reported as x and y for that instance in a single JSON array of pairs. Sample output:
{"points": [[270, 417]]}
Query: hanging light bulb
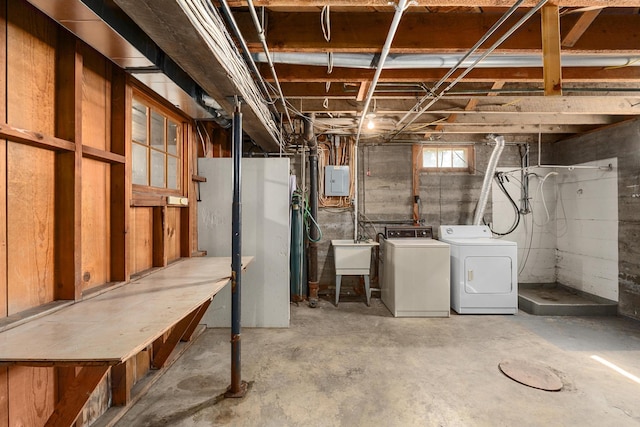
{"points": [[370, 123]]}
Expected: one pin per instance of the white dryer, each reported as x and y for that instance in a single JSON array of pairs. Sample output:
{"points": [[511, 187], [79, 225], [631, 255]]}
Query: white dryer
{"points": [[484, 270]]}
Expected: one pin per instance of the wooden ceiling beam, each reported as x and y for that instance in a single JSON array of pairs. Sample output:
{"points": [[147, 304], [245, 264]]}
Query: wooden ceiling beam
{"points": [[488, 105], [552, 68], [424, 3], [302, 73], [359, 32], [453, 128], [470, 118]]}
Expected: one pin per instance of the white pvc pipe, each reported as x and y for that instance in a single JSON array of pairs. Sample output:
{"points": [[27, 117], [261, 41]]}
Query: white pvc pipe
{"points": [[488, 176]]}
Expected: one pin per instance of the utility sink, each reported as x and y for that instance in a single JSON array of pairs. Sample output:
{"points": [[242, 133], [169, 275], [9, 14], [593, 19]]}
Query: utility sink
{"points": [[352, 258]]}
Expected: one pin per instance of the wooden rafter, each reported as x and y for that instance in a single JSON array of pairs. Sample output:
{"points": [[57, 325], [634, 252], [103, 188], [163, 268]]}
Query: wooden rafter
{"points": [[471, 105], [423, 3], [430, 33], [579, 28], [492, 105], [552, 68]]}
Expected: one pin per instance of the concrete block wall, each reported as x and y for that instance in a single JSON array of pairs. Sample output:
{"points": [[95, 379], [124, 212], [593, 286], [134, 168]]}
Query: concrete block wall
{"points": [[386, 195], [621, 141]]}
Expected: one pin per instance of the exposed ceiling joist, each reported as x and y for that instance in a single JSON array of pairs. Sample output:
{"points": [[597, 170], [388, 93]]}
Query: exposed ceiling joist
{"points": [[552, 68], [306, 73], [358, 32], [170, 28], [384, 4], [488, 105]]}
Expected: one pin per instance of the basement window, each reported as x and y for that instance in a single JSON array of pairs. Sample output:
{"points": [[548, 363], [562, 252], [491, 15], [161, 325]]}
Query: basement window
{"points": [[155, 146], [453, 158]]}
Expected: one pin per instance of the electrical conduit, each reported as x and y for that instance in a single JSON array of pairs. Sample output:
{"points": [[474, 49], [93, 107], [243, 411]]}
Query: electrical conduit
{"points": [[400, 8]]}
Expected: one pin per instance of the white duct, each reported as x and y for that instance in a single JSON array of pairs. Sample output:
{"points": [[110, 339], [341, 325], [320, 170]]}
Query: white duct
{"points": [[488, 176]]}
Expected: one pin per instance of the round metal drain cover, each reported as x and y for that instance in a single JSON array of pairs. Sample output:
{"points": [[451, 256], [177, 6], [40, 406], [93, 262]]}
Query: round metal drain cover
{"points": [[530, 374]]}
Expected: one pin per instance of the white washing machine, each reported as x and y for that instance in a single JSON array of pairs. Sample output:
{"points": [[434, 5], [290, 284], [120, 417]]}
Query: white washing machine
{"points": [[484, 270], [415, 277]]}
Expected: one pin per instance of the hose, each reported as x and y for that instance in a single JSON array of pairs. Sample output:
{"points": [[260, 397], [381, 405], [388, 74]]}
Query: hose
{"points": [[500, 178]]}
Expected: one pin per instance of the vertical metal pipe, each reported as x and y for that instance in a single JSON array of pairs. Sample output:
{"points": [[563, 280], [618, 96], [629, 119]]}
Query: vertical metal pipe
{"points": [[400, 9], [524, 180], [313, 206], [238, 388]]}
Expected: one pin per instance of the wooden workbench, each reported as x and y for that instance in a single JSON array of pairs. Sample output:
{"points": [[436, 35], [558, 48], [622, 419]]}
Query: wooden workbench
{"points": [[109, 329]]}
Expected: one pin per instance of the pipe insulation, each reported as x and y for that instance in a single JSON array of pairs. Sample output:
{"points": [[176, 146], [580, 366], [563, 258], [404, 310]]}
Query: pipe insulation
{"points": [[488, 176]]}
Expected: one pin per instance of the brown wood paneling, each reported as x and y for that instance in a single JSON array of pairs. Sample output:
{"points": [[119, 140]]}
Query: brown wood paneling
{"points": [[4, 395], [31, 40], [30, 227], [141, 229], [173, 233], [143, 363], [3, 191], [96, 255], [96, 94], [32, 395], [96, 115]]}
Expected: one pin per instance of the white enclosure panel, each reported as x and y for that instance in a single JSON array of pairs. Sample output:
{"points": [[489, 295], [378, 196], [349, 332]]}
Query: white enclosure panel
{"points": [[587, 229], [265, 235]]}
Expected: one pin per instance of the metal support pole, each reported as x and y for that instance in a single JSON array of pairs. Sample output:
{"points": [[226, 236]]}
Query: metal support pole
{"points": [[313, 205], [238, 388]]}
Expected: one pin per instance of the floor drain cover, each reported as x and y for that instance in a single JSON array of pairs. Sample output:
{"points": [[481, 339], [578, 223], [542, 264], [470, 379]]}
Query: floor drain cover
{"points": [[530, 374]]}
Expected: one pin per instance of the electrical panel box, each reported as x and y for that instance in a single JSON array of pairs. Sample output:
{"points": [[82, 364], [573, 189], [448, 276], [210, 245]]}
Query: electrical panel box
{"points": [[336, 181]]}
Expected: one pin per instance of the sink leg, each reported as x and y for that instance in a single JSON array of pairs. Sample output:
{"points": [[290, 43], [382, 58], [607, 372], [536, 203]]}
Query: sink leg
{"points": [[367, 289], [338, 282]]}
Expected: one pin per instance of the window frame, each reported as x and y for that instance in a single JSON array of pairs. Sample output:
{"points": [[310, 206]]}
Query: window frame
{"points": [[469, 148], [169, 116]]}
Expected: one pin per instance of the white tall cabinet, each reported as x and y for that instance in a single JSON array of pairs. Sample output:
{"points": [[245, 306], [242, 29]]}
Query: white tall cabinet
{"points": [[265, 235]]}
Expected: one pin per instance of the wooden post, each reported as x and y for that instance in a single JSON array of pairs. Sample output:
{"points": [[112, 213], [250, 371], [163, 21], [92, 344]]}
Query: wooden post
{"points": [[187, 225], [120, 173], [68, 166], [4, 377]]}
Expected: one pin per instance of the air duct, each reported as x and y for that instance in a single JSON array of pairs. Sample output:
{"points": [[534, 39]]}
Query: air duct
{"points": [[488, 176]]}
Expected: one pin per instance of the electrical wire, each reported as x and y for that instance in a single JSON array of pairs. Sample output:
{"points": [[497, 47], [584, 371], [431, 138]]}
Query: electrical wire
{"points": [[325, 22], [207, 21]]}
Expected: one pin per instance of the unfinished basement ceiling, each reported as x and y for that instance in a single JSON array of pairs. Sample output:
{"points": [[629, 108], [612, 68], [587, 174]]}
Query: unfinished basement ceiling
{"points": [[568, 69], [597, 70]]}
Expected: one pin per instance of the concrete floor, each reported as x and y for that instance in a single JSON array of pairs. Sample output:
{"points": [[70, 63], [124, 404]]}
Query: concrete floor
{"points": [[358, 366]]}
